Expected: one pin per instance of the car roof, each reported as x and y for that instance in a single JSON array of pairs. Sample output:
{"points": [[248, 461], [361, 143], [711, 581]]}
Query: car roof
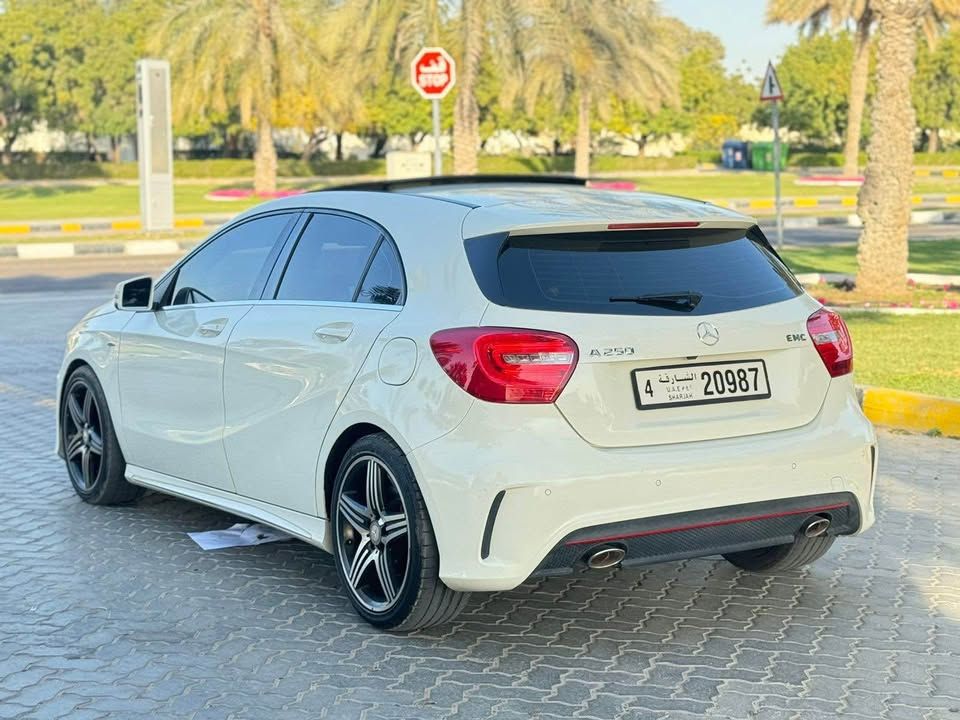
{"points": [[518, 207], [521, 205]]}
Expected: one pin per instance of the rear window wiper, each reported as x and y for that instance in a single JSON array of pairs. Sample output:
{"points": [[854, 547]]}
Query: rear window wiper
{"points": [[681, 301]]}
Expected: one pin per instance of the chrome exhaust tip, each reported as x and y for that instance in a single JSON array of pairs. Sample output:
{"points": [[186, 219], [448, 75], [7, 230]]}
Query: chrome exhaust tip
{"points": [[605, 557], [817, 527]]}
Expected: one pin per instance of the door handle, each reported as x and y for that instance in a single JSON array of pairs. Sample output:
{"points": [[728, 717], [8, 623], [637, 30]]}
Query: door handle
{"points": [[212, 328], [334, 332]]}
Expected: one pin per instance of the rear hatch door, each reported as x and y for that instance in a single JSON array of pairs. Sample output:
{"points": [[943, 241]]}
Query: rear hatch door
{"points": [[684, 334]]}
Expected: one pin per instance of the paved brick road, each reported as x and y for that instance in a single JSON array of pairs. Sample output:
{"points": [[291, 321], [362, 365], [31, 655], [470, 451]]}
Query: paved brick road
{"points": [[115, 612]]}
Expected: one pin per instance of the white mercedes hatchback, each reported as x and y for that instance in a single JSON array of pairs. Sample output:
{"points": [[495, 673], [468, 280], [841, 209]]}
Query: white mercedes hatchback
{"points": [[458, 384]]}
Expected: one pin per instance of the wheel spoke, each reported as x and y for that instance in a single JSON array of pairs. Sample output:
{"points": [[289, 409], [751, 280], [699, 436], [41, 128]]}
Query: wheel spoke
{"points": [[74, 446], [86, 470], [394, 526], [87, 405], [96, 442], [76, 412], [374, 487], [355, 514], [361, 561], [383, 574]]}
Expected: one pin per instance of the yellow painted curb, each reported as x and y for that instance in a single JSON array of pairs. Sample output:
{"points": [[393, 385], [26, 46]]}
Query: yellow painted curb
{"points": [[761, 204], [188, 222], [125, 225], [950, 173], [912, 411], [848, 201], [71, 227], [14, 229], [805, 202]]}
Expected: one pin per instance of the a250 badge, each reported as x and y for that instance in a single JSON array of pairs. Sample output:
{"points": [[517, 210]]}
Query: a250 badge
{"points": [[612, 352]]}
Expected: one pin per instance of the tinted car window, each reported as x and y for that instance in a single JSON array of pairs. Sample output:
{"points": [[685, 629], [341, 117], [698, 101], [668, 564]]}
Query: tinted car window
{"points": [[383, 283], [631, 272], [228, 267], [329, 260]]}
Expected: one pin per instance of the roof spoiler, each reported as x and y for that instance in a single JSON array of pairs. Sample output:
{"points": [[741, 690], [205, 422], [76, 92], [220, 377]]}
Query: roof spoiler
{"points": [[445, 180]]}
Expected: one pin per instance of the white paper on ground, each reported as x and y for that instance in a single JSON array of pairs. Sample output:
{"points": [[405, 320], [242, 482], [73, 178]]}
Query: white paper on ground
{"points": [[238, 535]]}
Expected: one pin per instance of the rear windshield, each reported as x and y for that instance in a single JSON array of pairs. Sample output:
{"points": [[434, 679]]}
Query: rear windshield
{"points": [[632, 272]]}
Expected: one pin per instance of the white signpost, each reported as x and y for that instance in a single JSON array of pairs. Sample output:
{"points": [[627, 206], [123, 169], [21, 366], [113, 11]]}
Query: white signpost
{"points": [[434, 73], [771, 91], [155, 144]]}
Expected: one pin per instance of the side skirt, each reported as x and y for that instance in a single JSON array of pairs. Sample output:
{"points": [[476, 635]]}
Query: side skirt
{"points": [[308, 528]]}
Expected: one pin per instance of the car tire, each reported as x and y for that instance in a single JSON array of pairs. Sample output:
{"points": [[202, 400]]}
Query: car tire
{"points": [[388, 565], [779, 558], [93, 457]]}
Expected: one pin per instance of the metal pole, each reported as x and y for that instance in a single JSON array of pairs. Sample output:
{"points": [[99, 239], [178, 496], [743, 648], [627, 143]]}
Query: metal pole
{"points": [[776, 171], [437, 155]]}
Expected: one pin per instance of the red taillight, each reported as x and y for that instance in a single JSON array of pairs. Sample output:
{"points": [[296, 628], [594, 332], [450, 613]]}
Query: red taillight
{"points": [[832, 340], [506, 365]]}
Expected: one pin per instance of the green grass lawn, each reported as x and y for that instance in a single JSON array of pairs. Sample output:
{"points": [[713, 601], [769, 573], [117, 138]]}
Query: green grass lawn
{"points": [[62, 200], [941, 257], [919, 353], [721, 185], [78, 200]]}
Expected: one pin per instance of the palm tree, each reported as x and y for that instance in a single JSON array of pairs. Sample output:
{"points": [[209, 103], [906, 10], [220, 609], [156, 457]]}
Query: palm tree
{"points": [[884, 200], [466, 114], [818, 14], [590, 52], [229, 53]]}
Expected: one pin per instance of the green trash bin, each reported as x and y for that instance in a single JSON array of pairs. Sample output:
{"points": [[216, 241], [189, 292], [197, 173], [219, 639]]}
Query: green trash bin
{"points": [[761, 155]]}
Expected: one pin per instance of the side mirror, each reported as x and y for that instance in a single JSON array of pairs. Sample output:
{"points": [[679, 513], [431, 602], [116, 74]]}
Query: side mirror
{"points": [[135, 294]]}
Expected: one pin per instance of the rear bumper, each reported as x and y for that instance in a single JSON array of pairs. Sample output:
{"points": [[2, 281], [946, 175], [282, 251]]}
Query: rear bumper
{"points": [[552, 484], [706, 532]]}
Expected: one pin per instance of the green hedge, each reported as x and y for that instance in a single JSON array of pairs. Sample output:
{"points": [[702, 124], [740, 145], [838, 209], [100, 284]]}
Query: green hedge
{"points": [[71, 169], [291, 167], [214, 168]]}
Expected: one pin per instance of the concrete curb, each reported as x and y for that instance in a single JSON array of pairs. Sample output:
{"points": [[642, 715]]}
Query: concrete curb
{"points": [[918, 278], [911, 411], [47, 250], [917, 217], [127, 224]]}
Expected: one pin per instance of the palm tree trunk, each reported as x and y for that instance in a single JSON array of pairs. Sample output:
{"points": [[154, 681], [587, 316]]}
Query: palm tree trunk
{"points": [[581, 161], [933, 140], [265, 157], [466, 114], [884, 201], [858, 95]]}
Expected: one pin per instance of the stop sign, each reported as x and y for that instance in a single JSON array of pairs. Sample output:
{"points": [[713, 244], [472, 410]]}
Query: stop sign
{"points": [[433, 73]]}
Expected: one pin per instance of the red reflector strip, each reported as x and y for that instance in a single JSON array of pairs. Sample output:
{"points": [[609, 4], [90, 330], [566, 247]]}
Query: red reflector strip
{"points": [[652, 225], [714, 523]]}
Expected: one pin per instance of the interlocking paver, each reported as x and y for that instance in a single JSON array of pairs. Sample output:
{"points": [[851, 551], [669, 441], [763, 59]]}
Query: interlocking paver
{"points": [[114, 612]]}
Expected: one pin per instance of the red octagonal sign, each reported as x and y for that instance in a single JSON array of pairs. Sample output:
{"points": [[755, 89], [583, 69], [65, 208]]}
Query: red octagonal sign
{"points": [[433, 73]]}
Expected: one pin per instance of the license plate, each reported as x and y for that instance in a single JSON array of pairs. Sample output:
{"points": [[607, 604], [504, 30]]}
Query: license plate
{"points": [[703, 384]]}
